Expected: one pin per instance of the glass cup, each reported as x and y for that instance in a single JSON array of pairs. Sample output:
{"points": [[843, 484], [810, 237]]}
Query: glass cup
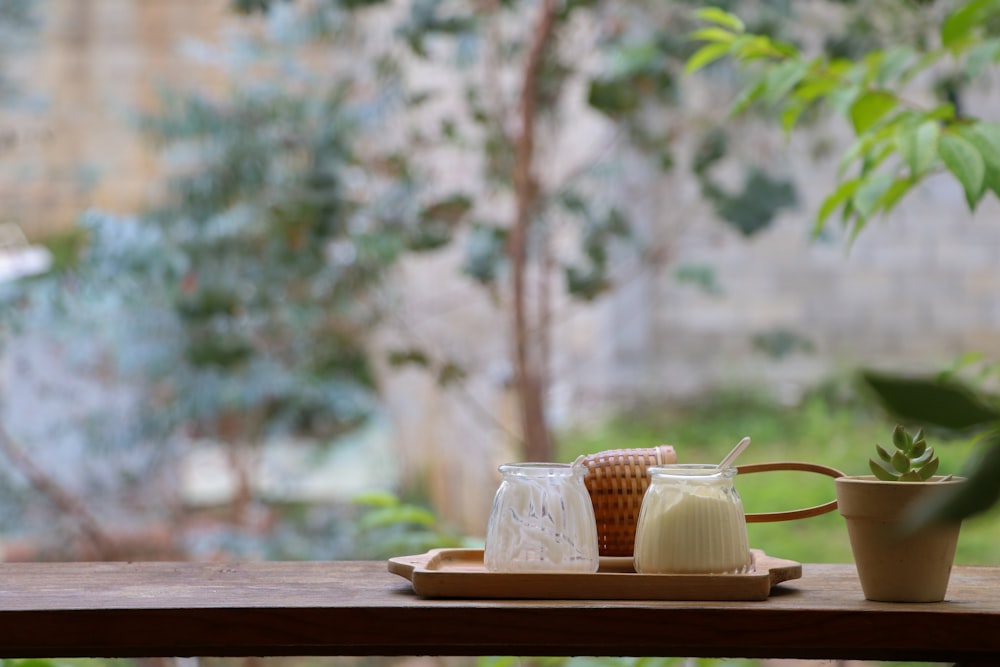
{"points": [[542, 520], [691, 521]]}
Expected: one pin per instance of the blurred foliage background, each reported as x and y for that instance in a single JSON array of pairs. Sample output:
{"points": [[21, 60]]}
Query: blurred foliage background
{"points": [[245, 303]]}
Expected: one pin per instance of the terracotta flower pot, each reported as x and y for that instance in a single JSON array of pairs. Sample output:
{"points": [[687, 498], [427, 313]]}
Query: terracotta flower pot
{"points": [[895, 565]]}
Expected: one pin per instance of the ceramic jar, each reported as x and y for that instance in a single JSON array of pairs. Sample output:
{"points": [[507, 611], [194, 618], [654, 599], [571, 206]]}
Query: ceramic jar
{"points": [[691, 521]]}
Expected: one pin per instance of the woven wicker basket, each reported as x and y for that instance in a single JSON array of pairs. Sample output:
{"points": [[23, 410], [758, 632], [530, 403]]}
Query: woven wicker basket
{"points": [[617, 480]]}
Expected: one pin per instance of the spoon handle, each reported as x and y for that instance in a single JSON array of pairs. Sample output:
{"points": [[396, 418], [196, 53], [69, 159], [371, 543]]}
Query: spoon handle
{"points": [[737, 450]]}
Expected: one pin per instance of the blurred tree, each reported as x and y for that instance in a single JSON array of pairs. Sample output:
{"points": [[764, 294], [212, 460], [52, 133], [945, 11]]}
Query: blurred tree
{"points": [[292, 198], [268, 248], [241, 304], [250, 290], [518, 68]]}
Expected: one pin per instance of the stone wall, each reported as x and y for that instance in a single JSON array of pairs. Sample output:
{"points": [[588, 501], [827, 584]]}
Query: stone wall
{"points": [[95, 64], [913, 292]]}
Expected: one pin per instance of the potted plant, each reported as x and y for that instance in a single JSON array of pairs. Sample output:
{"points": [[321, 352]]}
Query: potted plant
{"points": [[898, 560]]}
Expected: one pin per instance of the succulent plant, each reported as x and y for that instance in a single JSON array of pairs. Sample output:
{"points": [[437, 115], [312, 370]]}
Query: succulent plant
{"points": [[913, 460]]}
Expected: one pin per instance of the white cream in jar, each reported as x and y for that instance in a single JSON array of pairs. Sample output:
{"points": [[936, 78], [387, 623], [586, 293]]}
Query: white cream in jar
{"points": [[691, 521]]}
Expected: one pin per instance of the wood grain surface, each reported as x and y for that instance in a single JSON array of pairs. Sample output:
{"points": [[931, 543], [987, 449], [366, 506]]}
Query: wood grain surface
{"points": [[64, 610]]}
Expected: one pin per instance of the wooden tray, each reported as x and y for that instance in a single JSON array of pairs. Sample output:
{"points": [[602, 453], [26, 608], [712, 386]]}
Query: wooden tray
{"points": [[460, 573]]}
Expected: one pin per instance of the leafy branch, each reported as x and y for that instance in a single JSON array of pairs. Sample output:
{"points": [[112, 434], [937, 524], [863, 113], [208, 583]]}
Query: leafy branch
{"points": [[898, 142]]}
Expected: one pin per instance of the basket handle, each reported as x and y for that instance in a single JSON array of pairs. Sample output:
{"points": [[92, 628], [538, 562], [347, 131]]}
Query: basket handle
{"points": [[766, 517]]}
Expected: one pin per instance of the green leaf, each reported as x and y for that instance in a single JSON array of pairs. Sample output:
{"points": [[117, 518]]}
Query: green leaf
{"points": [[380, 499], [958, 26], [451, 373], [871, 107], [782, 78], [981, 56], [927, 471], [705, 56], [932, 401], [586, 283], [721, 17], [918, 146], [880, 471], [756, 47], [844, 192], [992, 180], [882, 454], [815, 88], [864, 148], [397, 515], [871, 191], [985, 136], [613, 96], [900, 439], [900, 462], [750, 94], [943, 112], [790, 116], [980, 492], [926, 453], [894, 193], [895, 63], [712, 35], [448, 211], [408, 356], [965, 163]]}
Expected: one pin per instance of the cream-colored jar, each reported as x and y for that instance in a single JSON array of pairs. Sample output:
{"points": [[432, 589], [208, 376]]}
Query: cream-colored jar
{"points": [[691, 521]]}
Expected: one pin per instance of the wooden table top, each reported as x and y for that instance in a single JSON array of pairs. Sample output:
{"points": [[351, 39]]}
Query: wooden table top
{"points": [[62, 610]]}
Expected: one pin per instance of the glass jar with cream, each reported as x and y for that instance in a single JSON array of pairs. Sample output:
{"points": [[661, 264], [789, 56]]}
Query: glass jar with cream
{"points": [[691, 521], [542, 520]]}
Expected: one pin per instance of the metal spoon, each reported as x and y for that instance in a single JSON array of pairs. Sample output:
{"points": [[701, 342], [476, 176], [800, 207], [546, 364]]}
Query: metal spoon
{"points": [[737, 450]]}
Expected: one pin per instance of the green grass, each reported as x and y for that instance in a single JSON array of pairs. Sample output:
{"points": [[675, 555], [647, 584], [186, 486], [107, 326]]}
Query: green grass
{"points": [[826, 428]]}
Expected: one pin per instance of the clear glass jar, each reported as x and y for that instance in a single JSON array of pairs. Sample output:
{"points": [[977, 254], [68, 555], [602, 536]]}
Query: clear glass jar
{"points": [[691, 521], [542, 520]]}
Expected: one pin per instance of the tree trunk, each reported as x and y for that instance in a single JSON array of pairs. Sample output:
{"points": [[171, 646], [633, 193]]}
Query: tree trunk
{"points": [[528, 340]]}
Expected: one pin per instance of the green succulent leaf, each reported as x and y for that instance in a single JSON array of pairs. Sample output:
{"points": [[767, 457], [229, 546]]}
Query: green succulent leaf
{"points": [[900, 438], [901, 462], [882, 454], [911, 476], [927, 471], [923, 458], [882, 472], [918, 449]]}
